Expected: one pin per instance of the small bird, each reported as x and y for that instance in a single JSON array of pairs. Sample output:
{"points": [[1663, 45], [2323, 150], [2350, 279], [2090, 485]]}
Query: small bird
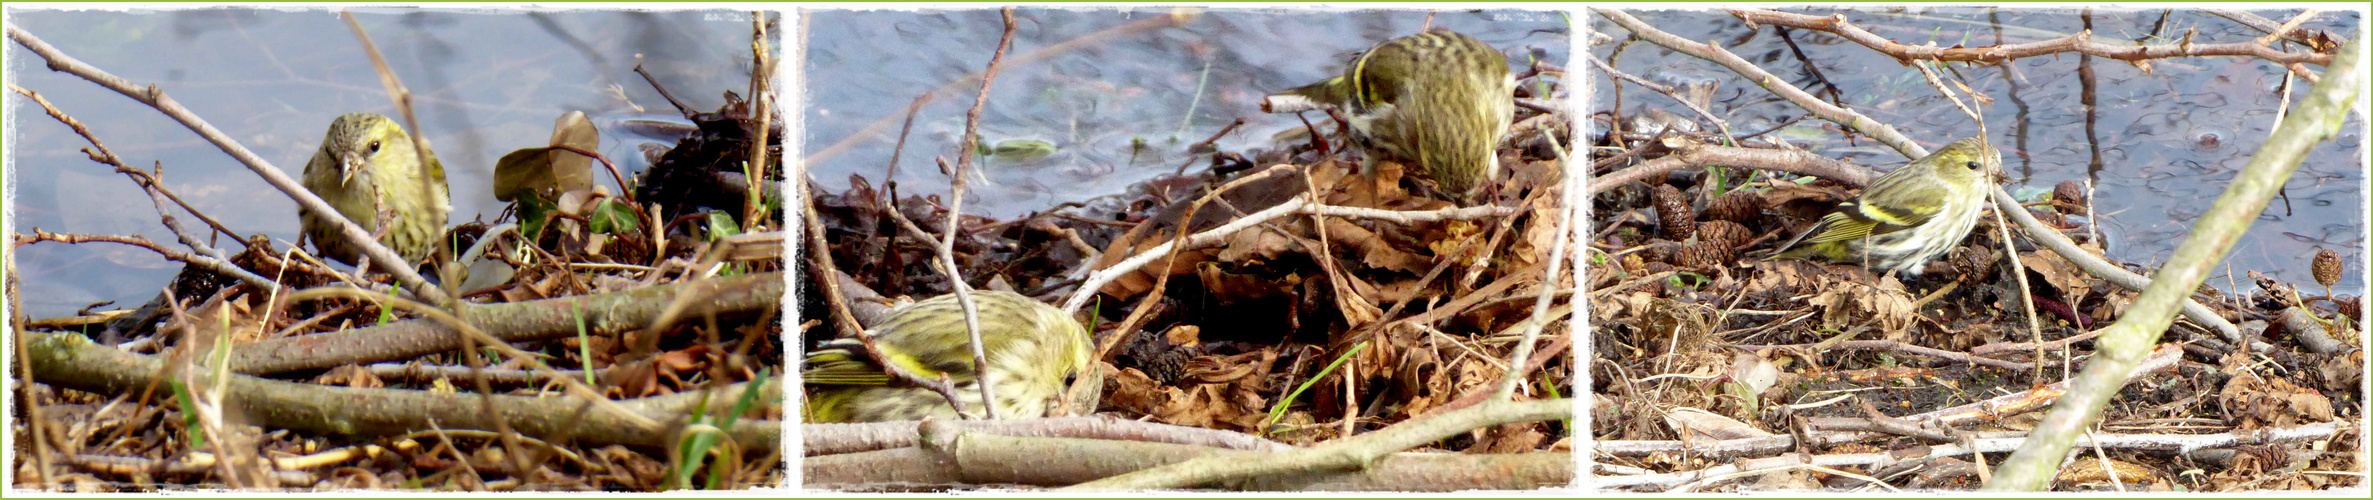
{"points": [[1033, 349], [1440, 99], [1910, 215], [366, 166]]}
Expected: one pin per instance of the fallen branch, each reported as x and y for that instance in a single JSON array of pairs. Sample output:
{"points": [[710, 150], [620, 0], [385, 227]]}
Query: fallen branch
{"points": [[70, 361], [1348, 454], [952, 456], [513, 322], [1695, 154], [834, 439], [1993, 443]]}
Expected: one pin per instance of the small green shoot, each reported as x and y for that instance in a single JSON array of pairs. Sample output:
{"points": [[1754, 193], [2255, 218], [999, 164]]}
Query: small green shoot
{"points": [[1278, 411]]}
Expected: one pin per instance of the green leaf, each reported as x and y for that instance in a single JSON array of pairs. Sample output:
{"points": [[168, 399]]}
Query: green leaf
{"points": [[1277, 412], [611, 217], [721, 225], [189, 414], [1022, 151], [533, 213]]}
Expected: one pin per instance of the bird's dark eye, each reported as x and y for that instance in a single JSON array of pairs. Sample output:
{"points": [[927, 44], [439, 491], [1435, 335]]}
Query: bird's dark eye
{"points": [[1972, 165], [375, 149]]}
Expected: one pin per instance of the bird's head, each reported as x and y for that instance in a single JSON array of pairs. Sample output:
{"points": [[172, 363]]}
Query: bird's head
{"points": [[360, 140]]}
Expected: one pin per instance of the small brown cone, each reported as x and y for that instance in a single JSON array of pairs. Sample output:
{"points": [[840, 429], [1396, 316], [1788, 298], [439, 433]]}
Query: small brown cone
{"points": [[2069, 196], [1737, 206], [1673, 210], [1705, 255], [1730, 234], [2326, 267]]}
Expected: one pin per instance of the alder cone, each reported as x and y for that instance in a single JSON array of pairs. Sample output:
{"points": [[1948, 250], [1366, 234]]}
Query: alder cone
{"points": [[1736, 206], [2326, 267], [2069, 194], [1971, 260], [1672, 209], [1705, 254], [1731, 235]]}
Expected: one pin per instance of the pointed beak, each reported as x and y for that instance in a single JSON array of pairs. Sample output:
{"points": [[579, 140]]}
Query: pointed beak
{"points": [[348, 164]]}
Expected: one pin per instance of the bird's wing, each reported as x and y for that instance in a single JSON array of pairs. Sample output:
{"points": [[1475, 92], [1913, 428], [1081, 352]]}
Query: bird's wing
{"points": [[1856, 219], [843, 362]]}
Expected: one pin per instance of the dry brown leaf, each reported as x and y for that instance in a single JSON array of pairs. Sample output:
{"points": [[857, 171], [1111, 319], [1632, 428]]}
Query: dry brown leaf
{"points": [[1352, 240], [1230, 286], [1258, 244], [2072, 282]]}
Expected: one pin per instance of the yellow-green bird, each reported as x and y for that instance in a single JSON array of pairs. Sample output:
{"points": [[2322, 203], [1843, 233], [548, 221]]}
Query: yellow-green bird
{"points": [[1440, 100], [367, 163], [1033, 349], [1910, 215]]}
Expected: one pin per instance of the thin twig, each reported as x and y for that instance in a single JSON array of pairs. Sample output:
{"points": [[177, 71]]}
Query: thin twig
{"points": [[628, 194], [403, 101], [151, 181], [201, 261], [2081, 43], [1672, 93], [984, 378], [762, 94], [1549, 282], [206, 256]]}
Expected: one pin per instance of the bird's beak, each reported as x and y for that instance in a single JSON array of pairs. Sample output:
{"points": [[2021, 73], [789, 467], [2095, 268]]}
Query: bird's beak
{"points": [[348, 164]]}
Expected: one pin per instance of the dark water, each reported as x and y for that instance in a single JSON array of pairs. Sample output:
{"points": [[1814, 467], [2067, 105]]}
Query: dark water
{"points": [[1095, 101], [485, 82], [2169, 140]]}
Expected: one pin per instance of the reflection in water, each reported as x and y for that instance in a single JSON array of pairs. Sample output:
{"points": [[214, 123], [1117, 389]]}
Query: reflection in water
{"points": [[483, 82]]}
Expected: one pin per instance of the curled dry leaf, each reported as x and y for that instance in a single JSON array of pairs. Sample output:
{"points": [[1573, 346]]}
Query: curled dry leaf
{"points": [[2258, 402], [1841, 301]]}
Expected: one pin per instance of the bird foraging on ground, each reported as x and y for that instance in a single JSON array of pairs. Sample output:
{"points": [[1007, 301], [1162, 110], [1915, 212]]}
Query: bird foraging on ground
{"points": [[369, 171], [1032, 349], [1440, 100], [1908, 216]]}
